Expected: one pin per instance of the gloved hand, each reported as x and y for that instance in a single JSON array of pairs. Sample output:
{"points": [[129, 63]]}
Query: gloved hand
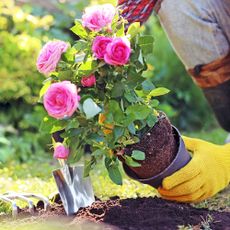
{"points": [[206, 174]]}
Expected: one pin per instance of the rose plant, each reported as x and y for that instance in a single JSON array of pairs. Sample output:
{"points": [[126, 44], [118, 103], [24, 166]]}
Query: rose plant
{"points": [[96, 94]]}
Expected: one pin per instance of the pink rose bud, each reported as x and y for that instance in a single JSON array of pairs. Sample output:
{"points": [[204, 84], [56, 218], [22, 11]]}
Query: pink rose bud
{"points": [[118, 51], [61, 99], [97, 17], [50, 56], [60, 151], [88, 81], [99, 46]]}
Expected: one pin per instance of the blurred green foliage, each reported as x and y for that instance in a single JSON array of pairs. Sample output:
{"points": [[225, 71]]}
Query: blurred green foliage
{"points": [[19, 78], [21, 36], [23, 30]]}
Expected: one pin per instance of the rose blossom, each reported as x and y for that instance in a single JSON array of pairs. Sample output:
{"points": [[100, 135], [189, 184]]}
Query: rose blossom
{"points": [[97, 17], [118, 51], [50, 55], [60, 151], [99, 46], [61, 99], [88, 81]]}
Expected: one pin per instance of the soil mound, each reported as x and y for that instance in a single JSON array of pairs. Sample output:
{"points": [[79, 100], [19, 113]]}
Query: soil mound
{"points": [[139, 214]]}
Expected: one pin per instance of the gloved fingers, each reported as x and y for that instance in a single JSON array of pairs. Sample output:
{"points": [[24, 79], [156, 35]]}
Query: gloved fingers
{"points": [[208, 192], [187, 173], [191, 198], [190, 143], [202, 198], [185, 188], [194, 143]]}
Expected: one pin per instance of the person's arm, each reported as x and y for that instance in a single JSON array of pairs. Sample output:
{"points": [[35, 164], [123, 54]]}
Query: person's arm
{"points": [[137, 10]]}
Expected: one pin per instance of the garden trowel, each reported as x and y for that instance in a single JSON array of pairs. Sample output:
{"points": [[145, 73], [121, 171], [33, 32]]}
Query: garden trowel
{"points": [[75, 190]]}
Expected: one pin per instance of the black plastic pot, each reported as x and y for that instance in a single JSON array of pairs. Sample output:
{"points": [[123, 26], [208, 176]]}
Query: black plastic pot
{"points": [[182, 158]]}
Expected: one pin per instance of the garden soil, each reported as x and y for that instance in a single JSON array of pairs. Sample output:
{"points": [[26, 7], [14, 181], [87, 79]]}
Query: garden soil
{"points": [[138, 214], [160, 146]]}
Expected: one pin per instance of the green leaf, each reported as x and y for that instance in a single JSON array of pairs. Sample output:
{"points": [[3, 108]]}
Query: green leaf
{"points": [[118, 132], [88, 165], [128, 119], [117, 90], [45, 87], [134, 79], [95, 137], [141, 58], [58, 126], [80, 46], [120, 30], [90, 108], [87, 68], [139, 111], [154, 103], [79, 57], [47, 124], [65, 75], [130, 96], [158, 92], [69, 55], [134, 29], [98, 153], [131, 128], [78, 153], [51, 125], [151, 120], [72, 124], [115, 109], [146, 44], [138, 155], [130, 162], [113, 170], [131, 141], [79, 30], [148, 85]]}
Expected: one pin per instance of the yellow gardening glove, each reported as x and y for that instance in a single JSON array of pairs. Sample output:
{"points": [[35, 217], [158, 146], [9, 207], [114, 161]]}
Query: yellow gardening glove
{"points": [[206, 174]]}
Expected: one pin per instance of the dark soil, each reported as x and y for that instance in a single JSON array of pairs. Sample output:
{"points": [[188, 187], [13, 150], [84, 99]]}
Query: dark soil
{"points": [[160, 147], [141, 214]]}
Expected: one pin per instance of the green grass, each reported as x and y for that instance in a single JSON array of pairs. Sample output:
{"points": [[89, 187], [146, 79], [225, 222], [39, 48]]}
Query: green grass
{"points": [[36, 177]]}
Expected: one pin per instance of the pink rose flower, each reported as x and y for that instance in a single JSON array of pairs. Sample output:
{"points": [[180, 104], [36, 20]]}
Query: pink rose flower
{"points": [[88, 81], [97, 17], [60, 151], [118, 52], [61, 99], [50, 56], [99, 46]]}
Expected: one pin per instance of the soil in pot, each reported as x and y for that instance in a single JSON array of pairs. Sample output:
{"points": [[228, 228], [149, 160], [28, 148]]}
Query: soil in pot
{"points": [[160, 146]]}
